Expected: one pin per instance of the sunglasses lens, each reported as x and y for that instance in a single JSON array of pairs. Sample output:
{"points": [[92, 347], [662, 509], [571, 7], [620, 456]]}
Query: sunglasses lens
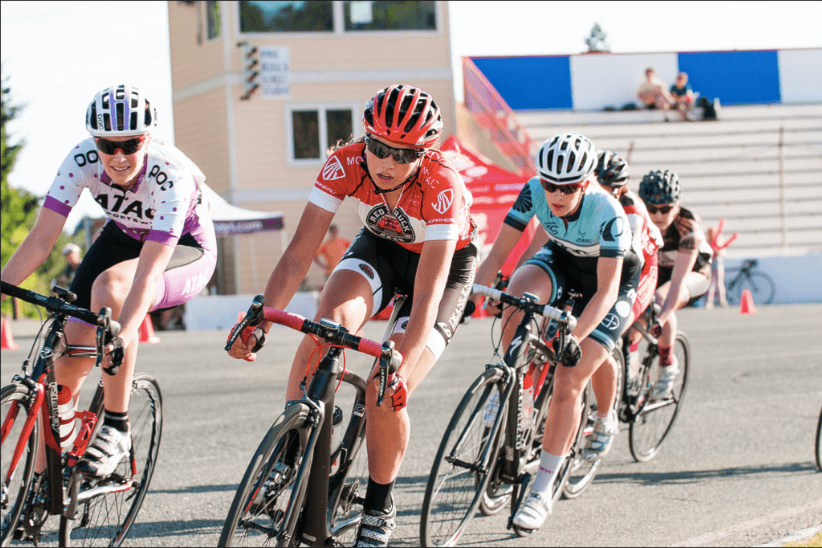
{"points": [[664, 209], [401, 156], [110, 147]]}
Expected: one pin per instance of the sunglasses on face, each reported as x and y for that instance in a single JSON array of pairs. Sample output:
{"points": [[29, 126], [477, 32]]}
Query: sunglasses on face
{"points": [[129, 146], [661, 209], [401, 155], [565, 189]]}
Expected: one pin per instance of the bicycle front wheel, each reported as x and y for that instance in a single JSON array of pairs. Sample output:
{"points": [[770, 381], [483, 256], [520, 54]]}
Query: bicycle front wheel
{"points": [[655, 419], [14, 410], [107, 508], [819, 443], [582, 471], [266, 506], [462, 467], [761, 286]]}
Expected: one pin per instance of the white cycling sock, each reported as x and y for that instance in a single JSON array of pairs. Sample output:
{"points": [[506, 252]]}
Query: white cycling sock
{"points": [[548, 466]]}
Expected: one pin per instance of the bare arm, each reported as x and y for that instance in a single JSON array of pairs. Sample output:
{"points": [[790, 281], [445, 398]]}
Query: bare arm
{"points": [[685, 260], [608, 275], [429, 285], [540, 239], [506, 240], [35, 247]]}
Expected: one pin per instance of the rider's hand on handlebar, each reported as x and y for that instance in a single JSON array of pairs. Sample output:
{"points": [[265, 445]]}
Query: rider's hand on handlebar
{"points": [[250, 341], [571, 353], [399, 398]]}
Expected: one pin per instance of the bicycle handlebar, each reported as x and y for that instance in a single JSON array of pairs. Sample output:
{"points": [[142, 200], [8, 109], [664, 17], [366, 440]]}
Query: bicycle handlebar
{"points": [[331, 331], [107, 329], [562, 316]]}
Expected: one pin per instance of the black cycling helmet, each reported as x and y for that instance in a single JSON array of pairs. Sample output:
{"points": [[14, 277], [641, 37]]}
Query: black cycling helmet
{"points": [[660, 187], [611, 169]]}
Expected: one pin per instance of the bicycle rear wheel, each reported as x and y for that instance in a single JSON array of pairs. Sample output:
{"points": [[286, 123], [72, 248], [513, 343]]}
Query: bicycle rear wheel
{"points": [[582, 471], [107, 508], [14, 410], [462, 467], [266, 506], [655, 419]]}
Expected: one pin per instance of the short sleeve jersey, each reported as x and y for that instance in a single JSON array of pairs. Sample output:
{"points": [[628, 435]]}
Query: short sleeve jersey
{"points": [[646, 238], [162, 206], [680, 92], [599, 228], [434, 205], [685, 234]]}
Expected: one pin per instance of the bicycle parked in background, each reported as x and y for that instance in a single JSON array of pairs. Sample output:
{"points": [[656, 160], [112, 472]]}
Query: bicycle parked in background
{"points": [[92, 511], [491, 448], [761, 286], [298, 488]]}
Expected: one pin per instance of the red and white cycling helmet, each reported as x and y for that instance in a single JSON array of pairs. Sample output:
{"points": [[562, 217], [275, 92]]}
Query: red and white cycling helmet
{"points": [[403, 114], [120, 111]]}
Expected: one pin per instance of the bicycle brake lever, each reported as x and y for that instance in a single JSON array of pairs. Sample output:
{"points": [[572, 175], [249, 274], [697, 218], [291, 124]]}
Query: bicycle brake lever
{"points": [[385, 363], [254, 316]]}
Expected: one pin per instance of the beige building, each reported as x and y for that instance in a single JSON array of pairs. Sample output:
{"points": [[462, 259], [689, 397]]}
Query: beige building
{"points": [[318, 63]]}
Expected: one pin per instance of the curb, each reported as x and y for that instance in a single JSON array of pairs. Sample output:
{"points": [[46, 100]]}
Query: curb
{"points": [[798, 535]]}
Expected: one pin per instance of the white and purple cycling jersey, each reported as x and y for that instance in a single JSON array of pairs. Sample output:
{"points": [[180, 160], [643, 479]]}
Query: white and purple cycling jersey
{"points": [[163, 205]]}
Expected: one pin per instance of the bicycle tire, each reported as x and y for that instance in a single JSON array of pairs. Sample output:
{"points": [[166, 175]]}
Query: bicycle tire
{"points": [[761, 286], [15, 488], [106, 519], [447, 512], [279, 458], [819, 443], [654, 421], [582, 472]]}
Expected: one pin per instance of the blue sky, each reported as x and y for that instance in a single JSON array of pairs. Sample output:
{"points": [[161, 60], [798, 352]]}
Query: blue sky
{"points": [[58, 54]]}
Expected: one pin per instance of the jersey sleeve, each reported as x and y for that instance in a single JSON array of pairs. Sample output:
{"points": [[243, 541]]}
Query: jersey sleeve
{"points": [[443, 204], [614, 232], [332, 183], [523, 208], [75, 173], [690, 233], [174, 192]]}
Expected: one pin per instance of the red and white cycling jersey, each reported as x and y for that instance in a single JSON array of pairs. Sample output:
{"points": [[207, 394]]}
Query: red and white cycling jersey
{"points": [[647, 238], [434, 205]]}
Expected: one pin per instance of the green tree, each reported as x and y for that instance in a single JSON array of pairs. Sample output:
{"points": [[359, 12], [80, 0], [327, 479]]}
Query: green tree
{"points": [[19, 209]]}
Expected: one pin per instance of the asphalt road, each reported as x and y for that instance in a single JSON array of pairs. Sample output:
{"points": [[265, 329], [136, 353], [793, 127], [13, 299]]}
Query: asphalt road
{"points": [[736, 470]]}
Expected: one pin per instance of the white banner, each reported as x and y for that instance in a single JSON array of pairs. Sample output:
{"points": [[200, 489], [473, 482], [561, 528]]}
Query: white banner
{"points": [[275, 72]]}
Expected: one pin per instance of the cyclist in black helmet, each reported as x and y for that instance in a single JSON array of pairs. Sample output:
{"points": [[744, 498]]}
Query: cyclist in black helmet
{"points": [[684, 264]]}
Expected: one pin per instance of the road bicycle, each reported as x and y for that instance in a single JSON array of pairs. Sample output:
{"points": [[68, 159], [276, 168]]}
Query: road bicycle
{"points": [[491, 448], [818, 447], [761, 286], [299, 486], [649, 420], [92, 511]]}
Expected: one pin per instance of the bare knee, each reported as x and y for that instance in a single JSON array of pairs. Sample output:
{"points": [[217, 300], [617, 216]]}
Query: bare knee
{"points": [[110, 289]]}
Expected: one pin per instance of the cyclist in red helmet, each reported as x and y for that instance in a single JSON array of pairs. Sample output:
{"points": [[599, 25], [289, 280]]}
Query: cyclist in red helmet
{"points": [[417, 240]]}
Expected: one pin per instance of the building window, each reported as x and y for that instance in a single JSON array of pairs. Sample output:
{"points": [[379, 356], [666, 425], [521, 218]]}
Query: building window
{"points": [[258, 16], [313, 130], [213, 19], [370, 15]]}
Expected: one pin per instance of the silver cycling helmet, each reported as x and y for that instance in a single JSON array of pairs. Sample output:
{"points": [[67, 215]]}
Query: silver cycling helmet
{"points": [[120, 111], [566, 159]]}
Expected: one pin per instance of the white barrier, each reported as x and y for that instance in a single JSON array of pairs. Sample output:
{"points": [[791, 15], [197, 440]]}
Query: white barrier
{"points": [[219, 312], [797, 277]]}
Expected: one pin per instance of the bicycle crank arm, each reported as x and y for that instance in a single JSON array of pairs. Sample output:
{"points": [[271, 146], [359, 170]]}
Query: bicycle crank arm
{"points": [[103, 490]]}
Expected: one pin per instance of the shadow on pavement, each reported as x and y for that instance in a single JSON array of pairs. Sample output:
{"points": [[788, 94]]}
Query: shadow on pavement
{"points": [[694, 476]]}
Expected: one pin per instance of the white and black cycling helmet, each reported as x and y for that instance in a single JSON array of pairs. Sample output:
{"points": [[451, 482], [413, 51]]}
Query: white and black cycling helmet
{"points": [[120, 111], [611, 169], [566, 159], [660, 187]]}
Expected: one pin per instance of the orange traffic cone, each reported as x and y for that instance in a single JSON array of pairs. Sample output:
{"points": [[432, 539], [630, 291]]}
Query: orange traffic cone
{"points": [[746, 304], [147, 331], [6, 340]]}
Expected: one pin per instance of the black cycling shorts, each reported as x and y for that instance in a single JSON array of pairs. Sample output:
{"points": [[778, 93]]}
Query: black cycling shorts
{"points": [[114, 246], [391, 269], [566, 280]]}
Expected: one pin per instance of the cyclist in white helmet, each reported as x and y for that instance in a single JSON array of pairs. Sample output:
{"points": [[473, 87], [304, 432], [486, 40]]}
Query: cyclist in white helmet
{"points": [[588, 251], [156, 251]]}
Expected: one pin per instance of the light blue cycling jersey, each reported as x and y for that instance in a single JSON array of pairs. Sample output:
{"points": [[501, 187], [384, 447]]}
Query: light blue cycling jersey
{"points": [[599, 228]]}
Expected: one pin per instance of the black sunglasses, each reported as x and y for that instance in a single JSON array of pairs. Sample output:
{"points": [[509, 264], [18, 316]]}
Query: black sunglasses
{"points": [[401, 155], [565, 189], [128, 147], [662, 209]]}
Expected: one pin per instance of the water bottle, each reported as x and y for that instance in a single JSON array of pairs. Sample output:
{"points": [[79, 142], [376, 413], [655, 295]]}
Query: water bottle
{"points": [[65, 410], [491, 409], [527, 399], [337, 430]]}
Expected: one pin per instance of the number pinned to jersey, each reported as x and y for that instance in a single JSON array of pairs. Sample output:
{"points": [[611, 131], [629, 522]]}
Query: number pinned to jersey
{"points": [[333, 169], [444, 200]]}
